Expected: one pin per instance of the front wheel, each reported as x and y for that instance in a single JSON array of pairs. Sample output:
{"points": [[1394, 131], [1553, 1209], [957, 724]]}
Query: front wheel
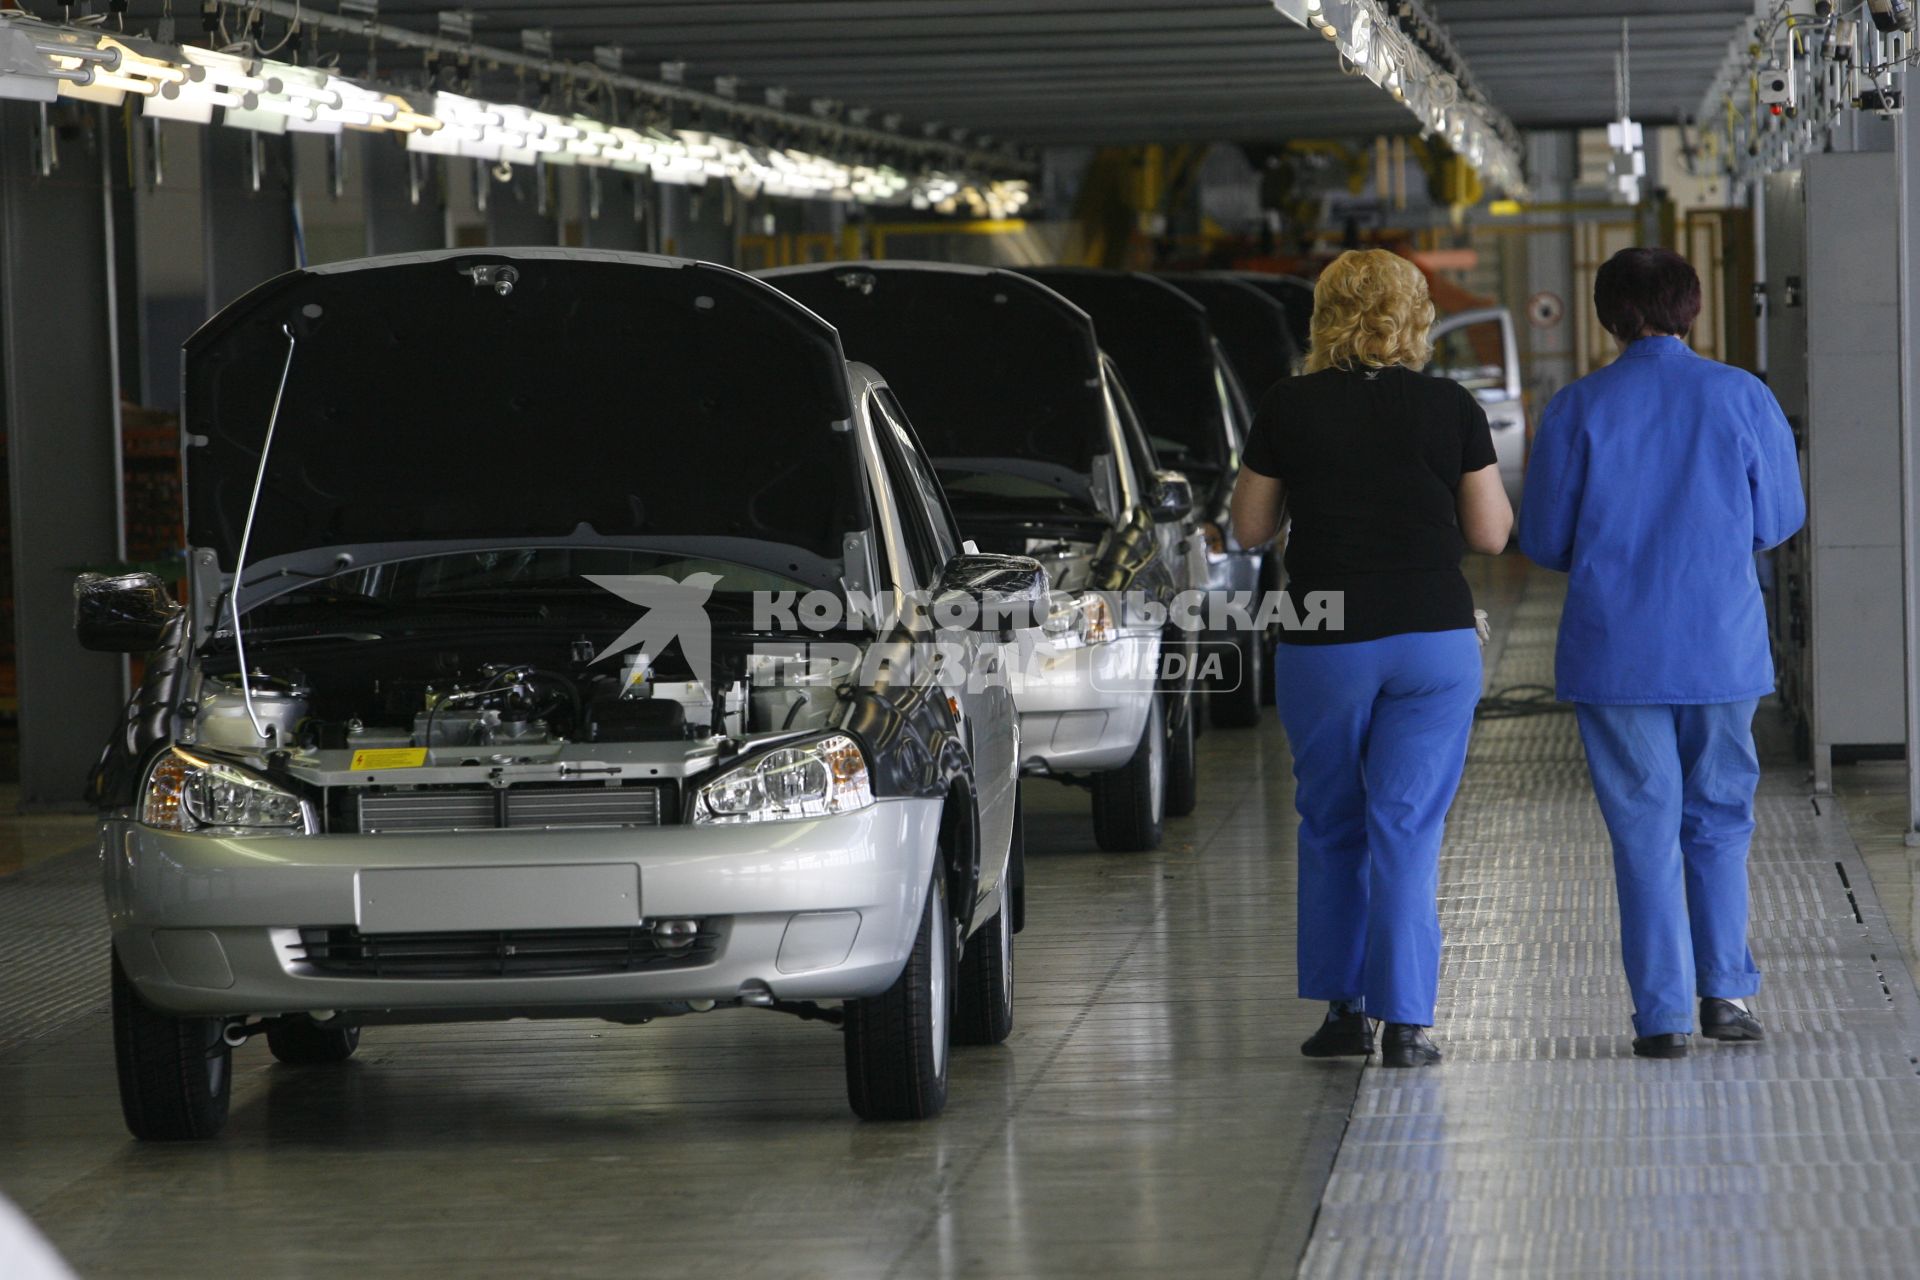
{"points": [[1130, 803], [176, 1074], [1183, 760], [986, 979], [897, 1041], [1239, 707]]}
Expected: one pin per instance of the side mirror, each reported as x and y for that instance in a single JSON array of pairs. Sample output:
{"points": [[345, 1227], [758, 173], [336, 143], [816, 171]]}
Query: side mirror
{"points": [[1172, 496], [122, 612], [991, 593]]}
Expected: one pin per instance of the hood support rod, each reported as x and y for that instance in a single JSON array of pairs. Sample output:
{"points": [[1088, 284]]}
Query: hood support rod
{"points": [[266, 732]]}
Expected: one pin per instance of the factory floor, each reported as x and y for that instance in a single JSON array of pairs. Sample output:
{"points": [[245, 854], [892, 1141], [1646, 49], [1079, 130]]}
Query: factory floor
{"points": [[1150, 1116]]}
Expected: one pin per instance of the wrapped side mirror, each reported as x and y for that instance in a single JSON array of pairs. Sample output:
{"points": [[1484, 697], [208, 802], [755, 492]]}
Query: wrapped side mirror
{"points": [[992, 593], [1172, 496], [121, 613]]}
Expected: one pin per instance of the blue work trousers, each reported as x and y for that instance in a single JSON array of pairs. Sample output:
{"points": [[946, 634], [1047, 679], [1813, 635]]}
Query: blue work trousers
{"points": [[1675, 785], [1379, 734]]}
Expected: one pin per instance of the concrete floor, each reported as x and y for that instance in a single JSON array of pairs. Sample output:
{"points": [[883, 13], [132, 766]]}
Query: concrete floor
{"points": [[1150, 1116]]}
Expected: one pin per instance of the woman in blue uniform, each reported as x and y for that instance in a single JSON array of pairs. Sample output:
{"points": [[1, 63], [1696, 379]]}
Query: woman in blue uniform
{"points": [[1388, 476], [1652, 483]]}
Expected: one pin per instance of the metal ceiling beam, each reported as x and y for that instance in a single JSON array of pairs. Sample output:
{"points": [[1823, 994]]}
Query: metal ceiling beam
{"points": [[1042, 70]]}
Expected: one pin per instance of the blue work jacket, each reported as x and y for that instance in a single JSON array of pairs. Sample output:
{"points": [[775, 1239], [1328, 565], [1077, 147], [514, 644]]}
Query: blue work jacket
{"points": [[1651, 483]]}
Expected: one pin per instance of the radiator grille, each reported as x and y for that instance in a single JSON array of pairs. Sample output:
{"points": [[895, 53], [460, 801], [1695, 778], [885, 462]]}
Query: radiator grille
{"points": [[513, 953], [485, 808]]}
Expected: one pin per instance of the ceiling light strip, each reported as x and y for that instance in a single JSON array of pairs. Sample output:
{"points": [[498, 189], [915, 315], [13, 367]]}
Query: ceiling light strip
{"points": [[1374, 40]]}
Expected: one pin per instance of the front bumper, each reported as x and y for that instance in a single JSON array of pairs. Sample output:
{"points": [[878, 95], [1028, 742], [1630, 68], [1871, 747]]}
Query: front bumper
{"points": [[1083, 710], [824, 909]]}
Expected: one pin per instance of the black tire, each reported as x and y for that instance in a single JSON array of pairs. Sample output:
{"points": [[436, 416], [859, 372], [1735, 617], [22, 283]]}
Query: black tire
{"points": [[898, 1042], [1183, 761], [1017, 866], [986, 981], [1272, 578], [1239, 707], [176, 1074], [301, 1042], [1129, 803]]}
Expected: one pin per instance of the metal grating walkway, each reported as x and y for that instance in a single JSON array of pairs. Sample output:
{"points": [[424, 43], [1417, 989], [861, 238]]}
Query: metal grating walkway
{"points": [[53, 946], [1542, 1147]]}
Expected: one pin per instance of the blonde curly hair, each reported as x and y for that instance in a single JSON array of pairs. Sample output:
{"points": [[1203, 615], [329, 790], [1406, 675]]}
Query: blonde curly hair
{"points": [[1370, 309]]}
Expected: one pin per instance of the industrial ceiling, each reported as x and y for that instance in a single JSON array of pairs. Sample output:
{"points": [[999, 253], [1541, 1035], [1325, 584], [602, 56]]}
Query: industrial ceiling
{"points": [[1116, 71]]}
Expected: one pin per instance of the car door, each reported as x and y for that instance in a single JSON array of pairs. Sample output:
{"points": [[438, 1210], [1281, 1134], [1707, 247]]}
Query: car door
{"points": [[1477, 350], [1179, 542], [980, 691]]}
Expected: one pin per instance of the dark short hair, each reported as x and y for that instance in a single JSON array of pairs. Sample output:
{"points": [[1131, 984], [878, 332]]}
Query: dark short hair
{"points": [[1641, 290]]}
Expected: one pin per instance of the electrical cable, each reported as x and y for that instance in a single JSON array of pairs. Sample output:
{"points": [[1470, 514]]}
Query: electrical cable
{"points": [[1518, 700]]}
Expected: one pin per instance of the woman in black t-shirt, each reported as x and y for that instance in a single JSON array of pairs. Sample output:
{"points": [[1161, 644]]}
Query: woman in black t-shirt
{"points": [[1388, 477]]}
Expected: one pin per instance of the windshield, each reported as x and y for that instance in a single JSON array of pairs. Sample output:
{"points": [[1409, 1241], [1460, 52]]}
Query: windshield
{"points": [[980, 490]]}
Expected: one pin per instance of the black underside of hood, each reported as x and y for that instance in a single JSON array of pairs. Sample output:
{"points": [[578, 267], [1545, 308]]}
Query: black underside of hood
{"points": [[625, 396], [1163, 344], [985, 362], [1252, 327]]}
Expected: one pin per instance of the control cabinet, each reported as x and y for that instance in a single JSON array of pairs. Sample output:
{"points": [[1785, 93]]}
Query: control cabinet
{"points": [[1833, 362]]}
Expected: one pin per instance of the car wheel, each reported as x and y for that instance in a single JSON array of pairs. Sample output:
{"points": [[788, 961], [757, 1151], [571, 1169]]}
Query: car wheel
{"points": [[302, 1042], [1183, 766], [1239, 707], [986, 980], [1017, 866], [897, 1041], [176, 1074], [1130, 803], [1271, 580]]}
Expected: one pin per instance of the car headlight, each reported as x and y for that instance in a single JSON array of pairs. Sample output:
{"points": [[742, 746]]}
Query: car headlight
{"points": [[191, 793], [1076, 619], [812, 779]]}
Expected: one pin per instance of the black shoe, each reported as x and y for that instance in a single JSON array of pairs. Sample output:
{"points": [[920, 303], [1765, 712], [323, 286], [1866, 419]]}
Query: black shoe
{"points": [[1403, 1044], [1725, 1020], [1672, 1044], [1342, 1035]]}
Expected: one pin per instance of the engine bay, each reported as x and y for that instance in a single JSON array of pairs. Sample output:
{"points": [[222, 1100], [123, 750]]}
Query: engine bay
{"points": [[499, 696]]}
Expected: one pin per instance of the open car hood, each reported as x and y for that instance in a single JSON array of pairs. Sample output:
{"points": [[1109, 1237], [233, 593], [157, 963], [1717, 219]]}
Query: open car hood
{"points": [[1163, 344], [987, 363], [1252, 327], [524, 396]]}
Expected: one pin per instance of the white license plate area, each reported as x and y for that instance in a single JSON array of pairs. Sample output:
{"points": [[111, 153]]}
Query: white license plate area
{"points": [[428, 899]]}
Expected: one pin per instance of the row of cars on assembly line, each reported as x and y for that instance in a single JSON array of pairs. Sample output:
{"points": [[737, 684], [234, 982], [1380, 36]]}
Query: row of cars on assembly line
{"points": [[575, 634]]}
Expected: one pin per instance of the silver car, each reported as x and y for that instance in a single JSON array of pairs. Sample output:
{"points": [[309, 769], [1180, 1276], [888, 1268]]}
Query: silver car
{"points": [[1477, 350], [1042, 454], [552, 650]]}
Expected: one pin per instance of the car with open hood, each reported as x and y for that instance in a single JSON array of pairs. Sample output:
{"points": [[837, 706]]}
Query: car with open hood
{"points": [[566, 634], [1042, 454], [1195, 412], [1251, 325], [1292, 292]]}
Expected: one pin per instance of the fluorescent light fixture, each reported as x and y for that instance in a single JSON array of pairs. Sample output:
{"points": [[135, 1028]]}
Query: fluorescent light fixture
{"points": [[228, 72], [467, 128], [35, 59], [1354, 34], [135, 63], [109, 87]]}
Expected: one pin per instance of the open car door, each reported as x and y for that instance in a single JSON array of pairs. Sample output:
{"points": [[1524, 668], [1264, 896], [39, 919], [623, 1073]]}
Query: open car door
{"points": [[1477, 350]]}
